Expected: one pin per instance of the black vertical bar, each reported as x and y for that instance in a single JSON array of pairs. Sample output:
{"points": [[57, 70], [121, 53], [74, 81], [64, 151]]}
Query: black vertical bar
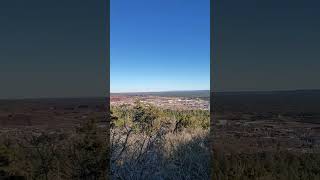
{"points": [[108, 84]]}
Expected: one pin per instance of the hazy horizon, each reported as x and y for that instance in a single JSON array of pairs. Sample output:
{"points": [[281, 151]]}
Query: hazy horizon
{"points": [[84, 97], [161, 91], [275, 90]]}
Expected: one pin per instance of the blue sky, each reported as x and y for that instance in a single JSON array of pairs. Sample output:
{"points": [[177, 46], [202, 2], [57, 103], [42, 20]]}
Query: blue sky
{"points": [[159, 45]]}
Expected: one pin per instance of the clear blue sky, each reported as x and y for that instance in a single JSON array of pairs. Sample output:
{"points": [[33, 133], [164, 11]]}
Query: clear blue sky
{"points": [[159, 45]]}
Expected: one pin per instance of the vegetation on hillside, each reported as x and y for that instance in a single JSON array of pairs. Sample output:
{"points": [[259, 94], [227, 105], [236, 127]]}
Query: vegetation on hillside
{"points": [[153, 143], [80, 154], [146, 142], [279, 165]]}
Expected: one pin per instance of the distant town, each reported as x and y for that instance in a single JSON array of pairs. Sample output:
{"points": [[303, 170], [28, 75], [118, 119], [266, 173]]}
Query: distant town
{"points": [[164, 102]]}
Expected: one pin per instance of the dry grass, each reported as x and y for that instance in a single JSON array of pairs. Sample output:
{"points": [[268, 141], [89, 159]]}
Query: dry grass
{"points": [[164, 155]]}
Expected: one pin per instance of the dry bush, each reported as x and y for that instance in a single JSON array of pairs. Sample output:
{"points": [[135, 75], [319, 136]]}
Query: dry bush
{"points": [[152, 143], [186, 155], [79, 153], [265, 165], [182, 155]]}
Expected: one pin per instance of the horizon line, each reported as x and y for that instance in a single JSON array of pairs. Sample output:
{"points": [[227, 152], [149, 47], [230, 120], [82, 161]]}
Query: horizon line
{"points": [[160, 91], [227, 91], [95, 96]]}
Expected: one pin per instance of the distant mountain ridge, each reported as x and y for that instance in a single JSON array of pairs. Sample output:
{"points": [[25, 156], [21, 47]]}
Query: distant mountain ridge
{"points": [[206, 93], [191, 93]]}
